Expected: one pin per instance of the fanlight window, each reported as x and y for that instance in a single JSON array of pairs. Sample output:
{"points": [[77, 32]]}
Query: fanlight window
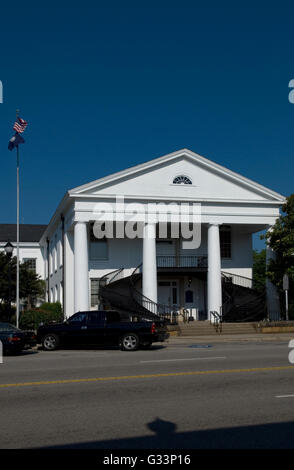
{"points": [[182, 180]]}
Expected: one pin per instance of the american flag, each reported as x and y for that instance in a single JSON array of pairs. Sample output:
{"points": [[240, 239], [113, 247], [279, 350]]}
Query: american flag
{"points": [[20, 125]]}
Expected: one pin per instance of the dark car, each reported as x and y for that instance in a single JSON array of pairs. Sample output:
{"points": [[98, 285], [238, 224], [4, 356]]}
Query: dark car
{"points": [[101, 328], [14, 339]]}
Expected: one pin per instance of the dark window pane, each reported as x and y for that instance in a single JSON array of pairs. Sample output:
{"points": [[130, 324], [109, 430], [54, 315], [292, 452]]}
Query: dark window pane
{"points": [[113, 317], [225, 242], [95, 317], [175, 296], [78, 318], [189, 297]]}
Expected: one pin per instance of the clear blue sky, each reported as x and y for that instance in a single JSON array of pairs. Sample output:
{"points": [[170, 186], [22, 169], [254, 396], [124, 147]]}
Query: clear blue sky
{"points": [[107, 85]]}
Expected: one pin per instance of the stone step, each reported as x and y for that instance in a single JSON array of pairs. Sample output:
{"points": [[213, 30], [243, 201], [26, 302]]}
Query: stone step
{"points": [[205, 328], [215, 333]]}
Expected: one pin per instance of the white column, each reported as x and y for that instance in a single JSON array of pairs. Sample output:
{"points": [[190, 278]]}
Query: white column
{"points": [[272, 296], [214, 283], [81, 267], [68, 287], [149, 287]]}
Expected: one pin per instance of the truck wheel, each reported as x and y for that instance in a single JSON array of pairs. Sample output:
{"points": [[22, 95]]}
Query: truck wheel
{"points": [[50, 342], [129, 342]]}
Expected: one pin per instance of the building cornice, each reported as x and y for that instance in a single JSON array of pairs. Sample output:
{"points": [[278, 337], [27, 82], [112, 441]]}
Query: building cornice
{"points": [[178, 198]]}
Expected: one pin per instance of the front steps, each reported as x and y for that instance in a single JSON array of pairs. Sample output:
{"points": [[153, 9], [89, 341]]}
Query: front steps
{"points": [[205, 328]]}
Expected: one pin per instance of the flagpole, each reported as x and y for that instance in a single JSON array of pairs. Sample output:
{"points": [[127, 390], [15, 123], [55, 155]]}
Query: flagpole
{"points": [[17, 231]]}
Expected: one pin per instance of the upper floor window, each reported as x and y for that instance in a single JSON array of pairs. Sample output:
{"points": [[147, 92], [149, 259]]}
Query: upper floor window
{"points": [[182, 180], [225, 241], [31, 263], [98, 247]]}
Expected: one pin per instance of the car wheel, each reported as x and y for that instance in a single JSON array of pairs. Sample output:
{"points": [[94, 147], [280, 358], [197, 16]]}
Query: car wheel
{"points": [[50, 342], [129, 342]]}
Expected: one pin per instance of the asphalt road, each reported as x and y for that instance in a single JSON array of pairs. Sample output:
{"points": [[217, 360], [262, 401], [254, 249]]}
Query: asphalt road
{"points": [[231, 395]]}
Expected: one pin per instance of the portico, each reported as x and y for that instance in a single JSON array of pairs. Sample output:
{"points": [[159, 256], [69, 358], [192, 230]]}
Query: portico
{"points": [[232, 209]]}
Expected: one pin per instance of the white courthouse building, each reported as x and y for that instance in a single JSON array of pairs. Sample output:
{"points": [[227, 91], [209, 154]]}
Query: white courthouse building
{"points": [[76, 264]]}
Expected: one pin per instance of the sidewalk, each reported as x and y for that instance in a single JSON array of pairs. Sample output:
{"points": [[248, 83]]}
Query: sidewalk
{"points": [[222, 338]]}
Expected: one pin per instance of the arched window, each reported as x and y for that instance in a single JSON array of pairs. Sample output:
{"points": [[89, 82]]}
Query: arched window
{"points": [[182, 180]]}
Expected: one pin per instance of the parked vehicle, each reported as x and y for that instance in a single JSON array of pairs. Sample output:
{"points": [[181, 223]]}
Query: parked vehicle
{"points": [[14, 339], [101, 328]]}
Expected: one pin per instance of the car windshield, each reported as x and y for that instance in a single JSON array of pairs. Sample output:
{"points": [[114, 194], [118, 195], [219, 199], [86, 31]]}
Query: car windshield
{"points": [[7, 327]]}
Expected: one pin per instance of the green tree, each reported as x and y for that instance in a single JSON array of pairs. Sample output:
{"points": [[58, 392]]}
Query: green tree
{"points": [[259, 269], [31, 286], [281, 240]]}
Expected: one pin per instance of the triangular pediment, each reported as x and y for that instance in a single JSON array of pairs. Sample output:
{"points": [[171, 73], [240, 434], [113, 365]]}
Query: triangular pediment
{"points": [[154, 179]]}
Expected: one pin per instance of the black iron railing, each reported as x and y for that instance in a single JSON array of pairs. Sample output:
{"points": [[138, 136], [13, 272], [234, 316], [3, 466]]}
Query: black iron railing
{"points": [[182, 261], [234, 308], [163, 311]]}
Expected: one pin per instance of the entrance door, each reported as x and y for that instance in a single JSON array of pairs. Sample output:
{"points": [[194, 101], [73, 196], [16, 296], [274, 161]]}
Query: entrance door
{"points": [[168, 292]]}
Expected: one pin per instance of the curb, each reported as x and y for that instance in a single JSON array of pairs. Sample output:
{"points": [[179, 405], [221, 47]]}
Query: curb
{"points": [[230, 339]]}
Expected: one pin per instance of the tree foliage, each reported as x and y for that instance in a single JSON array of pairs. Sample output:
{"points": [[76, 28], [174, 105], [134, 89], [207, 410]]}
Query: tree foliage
{"points": [[31, 286], [281, 240], [259, 269]]}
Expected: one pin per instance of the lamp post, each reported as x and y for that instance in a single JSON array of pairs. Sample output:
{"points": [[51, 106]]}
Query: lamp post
{"points": [[9, 250], [286, 288]]}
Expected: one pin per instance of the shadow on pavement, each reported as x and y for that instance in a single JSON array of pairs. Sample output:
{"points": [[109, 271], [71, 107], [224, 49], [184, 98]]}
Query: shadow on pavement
{"points": [[24, 352], [103, 348], [264, 436]]}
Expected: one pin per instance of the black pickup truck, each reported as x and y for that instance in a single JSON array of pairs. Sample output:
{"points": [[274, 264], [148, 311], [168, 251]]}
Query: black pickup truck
{"points": [[101, 328]]}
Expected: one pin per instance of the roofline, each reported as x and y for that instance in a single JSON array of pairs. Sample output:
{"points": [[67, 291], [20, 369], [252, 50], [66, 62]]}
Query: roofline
{"points": [[189, 153], [55, 216], [22, 244]]}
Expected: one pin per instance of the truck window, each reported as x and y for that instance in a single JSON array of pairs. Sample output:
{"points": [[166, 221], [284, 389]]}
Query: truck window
{"points": [[95, 318], [78, 318], [112, 317]]}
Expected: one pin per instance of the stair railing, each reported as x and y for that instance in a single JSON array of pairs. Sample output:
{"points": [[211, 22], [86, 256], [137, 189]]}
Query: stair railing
{"points": [[217, 323], [243, 281], [240, 281], [166, 312]]}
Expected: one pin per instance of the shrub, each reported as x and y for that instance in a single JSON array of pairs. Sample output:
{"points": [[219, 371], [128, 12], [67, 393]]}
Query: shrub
{"points": [[51, 307], [31, 319]]}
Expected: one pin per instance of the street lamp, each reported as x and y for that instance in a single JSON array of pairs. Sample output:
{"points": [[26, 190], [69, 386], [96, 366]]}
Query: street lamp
{"points": [[9, 250]]}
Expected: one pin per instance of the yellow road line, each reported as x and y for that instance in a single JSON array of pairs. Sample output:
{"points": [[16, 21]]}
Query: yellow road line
{"points": [[146, 376]]}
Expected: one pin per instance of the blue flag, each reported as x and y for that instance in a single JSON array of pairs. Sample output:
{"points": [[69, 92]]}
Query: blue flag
{"points": [[15, 141]]}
